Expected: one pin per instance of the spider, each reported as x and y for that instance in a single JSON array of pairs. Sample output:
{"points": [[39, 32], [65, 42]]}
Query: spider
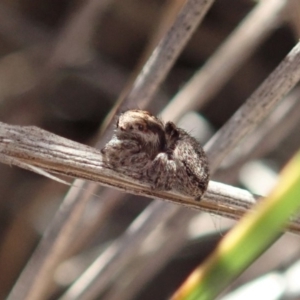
{"points": [[161, 155]]}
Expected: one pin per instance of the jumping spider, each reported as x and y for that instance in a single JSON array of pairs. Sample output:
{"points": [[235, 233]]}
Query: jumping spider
{"points": [[162, 155]]}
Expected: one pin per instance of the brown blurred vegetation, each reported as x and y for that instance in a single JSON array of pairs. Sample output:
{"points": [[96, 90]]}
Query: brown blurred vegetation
{"points": [[69, 86]]}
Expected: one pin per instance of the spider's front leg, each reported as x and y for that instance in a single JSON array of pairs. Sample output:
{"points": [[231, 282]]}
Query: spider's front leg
{"points": [[161, 172]]}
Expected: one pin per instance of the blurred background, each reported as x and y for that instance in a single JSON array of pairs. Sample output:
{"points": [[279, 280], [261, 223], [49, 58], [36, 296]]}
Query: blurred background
{"points": [[64, 64]]}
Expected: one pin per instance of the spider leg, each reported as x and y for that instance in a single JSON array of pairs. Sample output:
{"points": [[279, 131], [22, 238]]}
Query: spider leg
{"points": [[161, 172]]}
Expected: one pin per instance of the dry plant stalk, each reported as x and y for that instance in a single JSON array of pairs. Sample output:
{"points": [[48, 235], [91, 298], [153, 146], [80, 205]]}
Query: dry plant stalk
{"points": [[40, 151], [220, 67]]}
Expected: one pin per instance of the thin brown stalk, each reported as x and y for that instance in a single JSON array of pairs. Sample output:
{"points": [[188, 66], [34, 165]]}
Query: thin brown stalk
{"points": [[255, 109], [220, 67], [167, 51], [269, 134], [41, 151]]}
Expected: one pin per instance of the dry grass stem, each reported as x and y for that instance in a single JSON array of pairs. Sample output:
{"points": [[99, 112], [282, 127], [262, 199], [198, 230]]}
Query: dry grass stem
{"points": [[269, 134], [219, 68], [167, 51], [255, 109], [32, 148]]}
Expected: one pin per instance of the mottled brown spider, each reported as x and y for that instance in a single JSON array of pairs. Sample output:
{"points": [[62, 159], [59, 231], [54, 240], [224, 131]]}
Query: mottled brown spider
{"points": [[162, 155]]}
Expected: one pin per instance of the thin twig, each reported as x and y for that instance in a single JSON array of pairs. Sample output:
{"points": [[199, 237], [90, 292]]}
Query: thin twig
{"points": [[227, 59], [166, 251], [118, 252], [33, 148], [38, 148], [167, 51], [269, 134], [255, 109]]}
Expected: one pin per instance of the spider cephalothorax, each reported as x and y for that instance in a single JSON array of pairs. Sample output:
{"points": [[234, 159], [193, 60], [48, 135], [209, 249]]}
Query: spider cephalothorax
{"points": [[140, 125]]}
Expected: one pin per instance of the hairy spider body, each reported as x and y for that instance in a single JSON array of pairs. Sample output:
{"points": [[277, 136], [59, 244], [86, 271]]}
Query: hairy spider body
{"points": [[162, 155]]}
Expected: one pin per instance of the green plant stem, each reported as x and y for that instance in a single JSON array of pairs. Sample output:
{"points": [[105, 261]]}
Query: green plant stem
{"points": [[258, 230]]}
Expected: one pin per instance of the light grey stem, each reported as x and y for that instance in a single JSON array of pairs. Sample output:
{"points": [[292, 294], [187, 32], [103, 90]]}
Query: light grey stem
{"points": [[165, 54], [36, 149], [220, 67], [255, 109]]}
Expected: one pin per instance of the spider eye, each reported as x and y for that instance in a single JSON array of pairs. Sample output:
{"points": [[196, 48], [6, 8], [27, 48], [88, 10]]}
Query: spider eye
{"points": [[140, 127], [131, 127]]}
